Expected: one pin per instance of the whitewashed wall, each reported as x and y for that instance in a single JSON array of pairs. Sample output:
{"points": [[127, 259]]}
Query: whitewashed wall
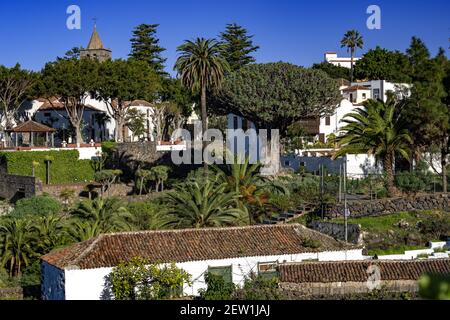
{"points": [[89, 284]]}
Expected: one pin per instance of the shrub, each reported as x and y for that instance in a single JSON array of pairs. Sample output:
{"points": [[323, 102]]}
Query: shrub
{"points": [[409, 182], [139, 280], [436, 287], [311, 243], [416, 181], [65, 166], [39, 206], [258, 287], [217, 288]]}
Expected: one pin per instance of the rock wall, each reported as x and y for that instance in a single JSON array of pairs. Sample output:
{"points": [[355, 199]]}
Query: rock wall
{"points": [[295, 291], [364, 208], [11, 294], [337, 230], [13, 188]]}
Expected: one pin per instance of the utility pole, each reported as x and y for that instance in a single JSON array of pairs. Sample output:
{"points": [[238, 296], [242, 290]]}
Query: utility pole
{"points": [[321, 190], [340, 183], [345, 200]]}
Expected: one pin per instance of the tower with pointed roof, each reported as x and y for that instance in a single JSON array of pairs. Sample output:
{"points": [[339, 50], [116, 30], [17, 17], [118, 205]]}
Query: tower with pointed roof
{"points": [[95, 48]]}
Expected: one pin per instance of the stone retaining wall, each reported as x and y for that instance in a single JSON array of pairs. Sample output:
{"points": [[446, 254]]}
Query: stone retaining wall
{"points": [[337, 230], [11, 294], [295, 291], [13, 188], [363, 208]]}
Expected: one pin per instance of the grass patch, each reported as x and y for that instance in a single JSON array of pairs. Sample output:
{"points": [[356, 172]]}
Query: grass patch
{"points": [[387, 222], [399, 249]]}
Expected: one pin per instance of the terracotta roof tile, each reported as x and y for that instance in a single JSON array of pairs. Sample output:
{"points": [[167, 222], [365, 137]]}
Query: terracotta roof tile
{"points": [[191, 245], [356, 271], [31, 126]]}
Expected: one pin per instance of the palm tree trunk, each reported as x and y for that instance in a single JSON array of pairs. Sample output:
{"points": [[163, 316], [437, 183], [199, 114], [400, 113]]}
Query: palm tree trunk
{"points": [[204, 121], [388, 167], [352, 53]]}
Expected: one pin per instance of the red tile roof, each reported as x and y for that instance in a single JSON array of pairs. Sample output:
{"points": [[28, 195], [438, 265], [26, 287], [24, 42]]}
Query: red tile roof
{"points": [[55, 104], [356, 271], [108, 250], [31, 126]]}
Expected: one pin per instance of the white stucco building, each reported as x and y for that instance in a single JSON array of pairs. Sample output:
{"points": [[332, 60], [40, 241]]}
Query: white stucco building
{"points": [[79, 272], [97, 124], [332, 57]]}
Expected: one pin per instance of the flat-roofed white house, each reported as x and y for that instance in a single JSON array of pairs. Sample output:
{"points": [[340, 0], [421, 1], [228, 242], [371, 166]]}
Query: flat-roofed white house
{"points": [[79, 272], [332, 57]]}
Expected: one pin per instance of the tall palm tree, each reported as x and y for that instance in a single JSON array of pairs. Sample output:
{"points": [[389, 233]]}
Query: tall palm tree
{"points": [[377, 129], [17, 244], [201, 68], [352, 40], [203, 203]]}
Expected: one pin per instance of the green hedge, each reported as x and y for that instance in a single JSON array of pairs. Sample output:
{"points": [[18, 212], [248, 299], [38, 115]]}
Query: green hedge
{"points": [[64, 168]]}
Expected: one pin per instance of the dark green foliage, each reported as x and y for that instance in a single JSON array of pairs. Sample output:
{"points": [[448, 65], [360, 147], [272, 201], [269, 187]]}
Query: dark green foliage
{"points": [[434, 287], [135, 121], [382, 64], [20, 163], [36, 206], [276, 95], [435, 227], [217, 288], [418, 180], [311, 243], [16, 85], [70, 80], [259, 287], [145, 47], [122, 81], [335, 72], [137, 279], [238, 46]]}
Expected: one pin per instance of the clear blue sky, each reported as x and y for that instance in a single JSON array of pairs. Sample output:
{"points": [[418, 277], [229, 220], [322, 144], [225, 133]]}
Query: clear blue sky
{"points": [[296, 31]]}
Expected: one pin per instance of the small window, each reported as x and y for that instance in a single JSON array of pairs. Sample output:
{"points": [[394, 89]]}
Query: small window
{"points": [[268, 270], [235, 123], [322, 137], [364, 96], [376, 94], [327, 121], [225, 272], [302, 164], [287, 163], [245, 125]]}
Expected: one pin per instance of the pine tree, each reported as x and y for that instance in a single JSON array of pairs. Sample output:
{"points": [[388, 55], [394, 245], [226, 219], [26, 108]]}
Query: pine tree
{"points": [[237, 46], [145, 47]]}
